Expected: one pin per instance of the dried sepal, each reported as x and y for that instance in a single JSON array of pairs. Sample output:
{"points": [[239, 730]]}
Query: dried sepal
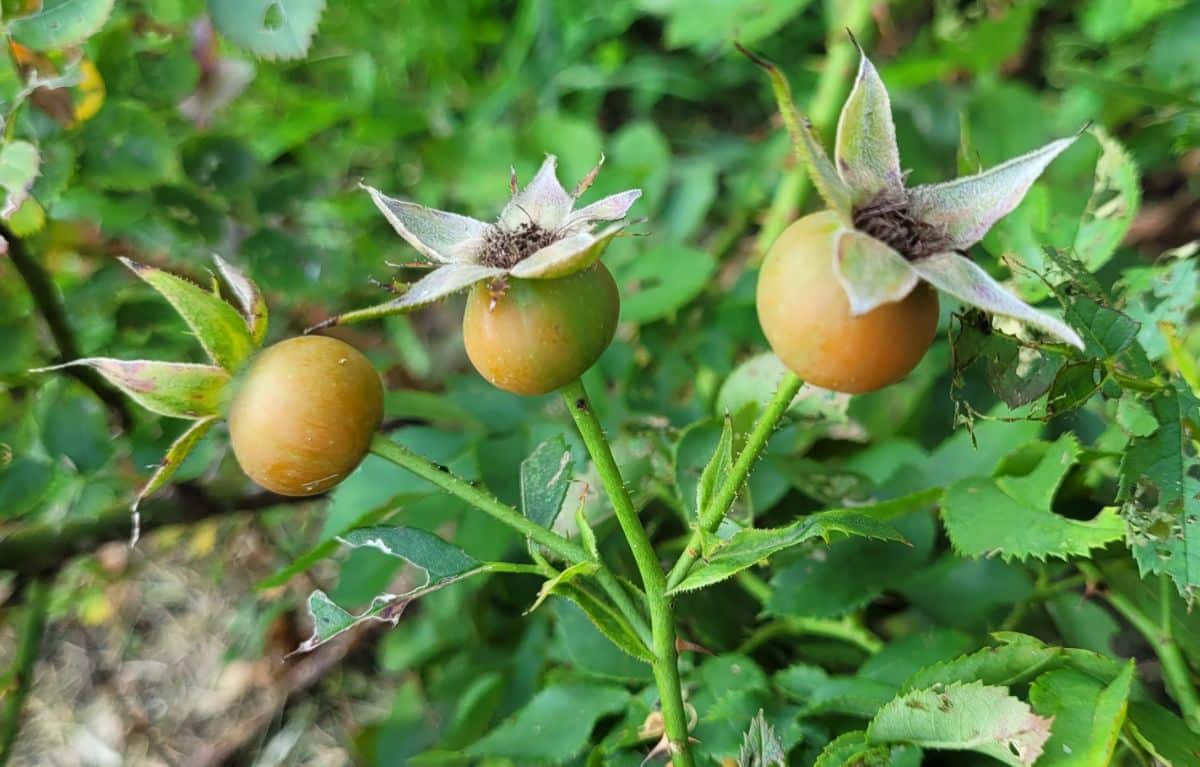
{"points": [[218, 327], [805, 142], [957, 275], [964, 209], [543, 202], [612, 208], [567, 256], [249, 298], [870, 272], [438, 235], [868, 159], [434, 286], [174, 389]]}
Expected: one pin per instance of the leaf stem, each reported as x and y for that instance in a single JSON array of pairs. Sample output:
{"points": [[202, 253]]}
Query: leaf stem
{"points": [[662, 623], [37, 600], [502, 512], [1175, 671], [711, 516]]}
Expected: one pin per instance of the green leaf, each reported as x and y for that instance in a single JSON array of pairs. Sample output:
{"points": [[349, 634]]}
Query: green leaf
{"points": [[1013, 662], [61, 23], [327, 547], [443, 564], [1011, 515], [835, 580], [1163, 734], [273, 29], [852, 749], [249, 297], [553, 585], [19, 161], [1160, 491], [819, 693], [217, 325], [1087, 715], [170, 463], [653, 286], [175, 389], [1106, 332], [545, 477], [749, 547], [127, 148], [711, 22], [590, 651], [761, 746], [607, 621], [1115, 199], [554, 726], [441, 560], [964, 717], [754, 382], [717, 469]]}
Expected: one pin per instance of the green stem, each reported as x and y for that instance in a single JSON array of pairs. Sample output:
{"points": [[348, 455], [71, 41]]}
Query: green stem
{"points": [[502, 512], [37, 600], [662, 624], [1174, 667], [823, 111], [711, 516]]}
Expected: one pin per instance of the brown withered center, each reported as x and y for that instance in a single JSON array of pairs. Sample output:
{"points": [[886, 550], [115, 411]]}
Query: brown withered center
{"points": [[505, 248], [888, 218]]}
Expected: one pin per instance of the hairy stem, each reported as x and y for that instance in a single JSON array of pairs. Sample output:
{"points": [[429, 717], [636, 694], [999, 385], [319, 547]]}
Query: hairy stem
{"points": [[50, 306], [30, 642], [662, 623], [507, 515], [711, 516], [823, 111], [1175, 671]]}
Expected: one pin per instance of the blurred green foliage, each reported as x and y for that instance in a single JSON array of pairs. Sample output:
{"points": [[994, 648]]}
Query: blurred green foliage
{"points": [[169, 130]]}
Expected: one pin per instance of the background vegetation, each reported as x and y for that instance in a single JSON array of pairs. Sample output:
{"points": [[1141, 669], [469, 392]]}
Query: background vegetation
{"points": [[169, 130]]}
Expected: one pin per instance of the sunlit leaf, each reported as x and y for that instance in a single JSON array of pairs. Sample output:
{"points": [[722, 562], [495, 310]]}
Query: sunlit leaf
{"points": [[1088, 716], [1160, 491], [545, 477], [1011, 515], [175, 389], [749, 547], [61, 23], [273, 29], [964, 717], [217, 325]]}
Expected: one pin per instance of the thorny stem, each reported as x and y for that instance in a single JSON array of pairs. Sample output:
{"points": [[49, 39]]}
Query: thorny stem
{"points": [[790, 193], [711, 516], [1174, 668], [37, 600], [49, 305], [662, 623], [502, 512]]}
